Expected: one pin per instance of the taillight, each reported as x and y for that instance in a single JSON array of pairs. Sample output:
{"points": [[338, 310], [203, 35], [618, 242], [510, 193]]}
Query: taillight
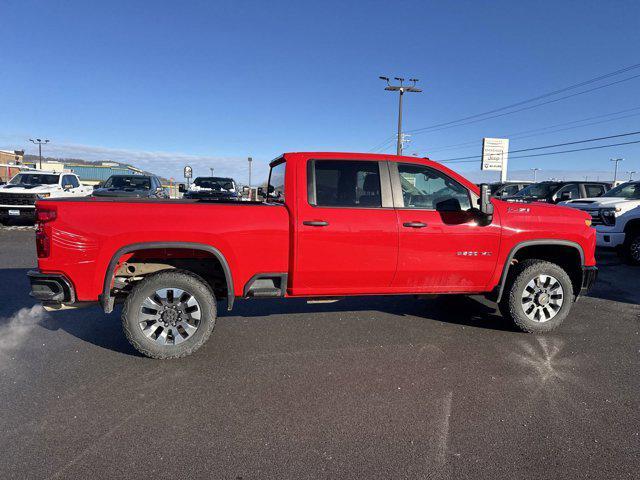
{"points": [[45, 215], [43, 242]]}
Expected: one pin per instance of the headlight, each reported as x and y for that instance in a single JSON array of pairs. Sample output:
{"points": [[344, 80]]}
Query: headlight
{"points": [[609, 215], [44, 195]]}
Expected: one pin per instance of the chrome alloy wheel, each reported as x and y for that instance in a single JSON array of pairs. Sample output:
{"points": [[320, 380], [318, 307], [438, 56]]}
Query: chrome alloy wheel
{"points": [[542, 298], [169, 316]]}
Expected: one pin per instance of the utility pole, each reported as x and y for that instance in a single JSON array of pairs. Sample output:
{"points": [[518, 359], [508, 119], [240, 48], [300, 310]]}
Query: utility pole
{"points": [[39, 142], [631, 174], [400, 88], [615, 172], [535, 171], [250, 160]]}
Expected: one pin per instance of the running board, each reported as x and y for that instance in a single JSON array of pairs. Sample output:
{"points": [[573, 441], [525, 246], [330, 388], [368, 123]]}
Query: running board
{"points": [[324, 300]]}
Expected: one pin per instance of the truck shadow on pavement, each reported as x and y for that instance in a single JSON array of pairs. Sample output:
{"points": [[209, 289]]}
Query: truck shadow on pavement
{"points": [[453, 309], [105, 331]]}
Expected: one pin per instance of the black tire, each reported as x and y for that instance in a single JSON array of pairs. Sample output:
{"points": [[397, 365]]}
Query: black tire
{"points": [[511, 304], [133, 315], [631, 248]]}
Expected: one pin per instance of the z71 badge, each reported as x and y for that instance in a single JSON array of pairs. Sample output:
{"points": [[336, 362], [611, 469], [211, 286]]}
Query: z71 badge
{"points": [[474, 254]]}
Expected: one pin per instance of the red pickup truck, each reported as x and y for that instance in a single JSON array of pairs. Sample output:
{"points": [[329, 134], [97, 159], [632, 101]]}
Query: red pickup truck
{"points": [[332, 225]]}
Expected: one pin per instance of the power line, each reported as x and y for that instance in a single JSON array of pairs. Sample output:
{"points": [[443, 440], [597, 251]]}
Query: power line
{"points": [[539, 97], [548, 153], [551, 146], [433, 129], [523, 134]]}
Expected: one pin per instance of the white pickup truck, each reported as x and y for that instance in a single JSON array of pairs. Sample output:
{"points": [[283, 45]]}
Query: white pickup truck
{"points": [[616, 216], [18, 197]]}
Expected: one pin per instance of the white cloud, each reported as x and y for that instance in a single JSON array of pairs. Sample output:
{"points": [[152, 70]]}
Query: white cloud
{"points": [[166, 164]]}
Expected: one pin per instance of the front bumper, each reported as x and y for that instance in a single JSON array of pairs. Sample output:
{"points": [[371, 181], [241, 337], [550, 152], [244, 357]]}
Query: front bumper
{"points": [[24, 212], [51, 288], [589, 276], [609, 239]]}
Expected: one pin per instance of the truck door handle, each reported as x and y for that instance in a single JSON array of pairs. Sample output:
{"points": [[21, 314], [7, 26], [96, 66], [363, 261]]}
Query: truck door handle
{"points": [[414, 224], [315, 223]]}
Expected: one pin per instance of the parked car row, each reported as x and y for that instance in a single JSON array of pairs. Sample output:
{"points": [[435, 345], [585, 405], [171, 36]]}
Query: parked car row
{"points": [[18, 197], [616, 217], [548, 191], [212, 189]]}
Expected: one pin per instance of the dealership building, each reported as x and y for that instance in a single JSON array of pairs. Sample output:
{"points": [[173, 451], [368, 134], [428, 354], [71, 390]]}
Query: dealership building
{"points": [[90, 174]]}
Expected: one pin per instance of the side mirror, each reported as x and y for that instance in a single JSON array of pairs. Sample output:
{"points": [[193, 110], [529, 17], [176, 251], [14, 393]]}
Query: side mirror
{"points": [[182, 188], [564, 196], [97, 185], [68, 186], [486, 207], [449, 205]]}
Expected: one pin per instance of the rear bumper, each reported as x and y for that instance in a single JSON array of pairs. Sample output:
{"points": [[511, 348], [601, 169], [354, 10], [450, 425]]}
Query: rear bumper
{"points": [[51, 288], [589, 276]]}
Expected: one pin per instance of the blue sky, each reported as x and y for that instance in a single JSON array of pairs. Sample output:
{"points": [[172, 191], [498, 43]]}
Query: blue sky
{"points": [[161, 83]]}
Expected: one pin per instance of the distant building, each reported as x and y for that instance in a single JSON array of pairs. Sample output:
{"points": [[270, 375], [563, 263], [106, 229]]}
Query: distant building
{"points": [[90, 174], [8, 158]]}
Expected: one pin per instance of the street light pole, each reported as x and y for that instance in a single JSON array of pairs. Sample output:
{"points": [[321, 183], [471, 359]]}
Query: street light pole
{"points": [[39, 142], [615, 172], [631, 174], [535, 171], [250, 160], [401, 89], [211, 170]]}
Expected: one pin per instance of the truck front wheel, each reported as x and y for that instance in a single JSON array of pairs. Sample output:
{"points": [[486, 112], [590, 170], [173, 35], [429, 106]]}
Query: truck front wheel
{"points": [[631, 248], [537, 297], [169, 314]]}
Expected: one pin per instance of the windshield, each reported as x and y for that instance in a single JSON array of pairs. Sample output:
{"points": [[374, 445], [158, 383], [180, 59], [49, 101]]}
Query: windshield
{"points": [[133, 182], [34, 179], [630, 191], [538, 190], [214, 183]]}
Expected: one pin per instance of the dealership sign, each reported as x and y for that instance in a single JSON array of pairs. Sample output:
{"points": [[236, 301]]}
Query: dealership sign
{"points": [[495, 153], [188, 172]]}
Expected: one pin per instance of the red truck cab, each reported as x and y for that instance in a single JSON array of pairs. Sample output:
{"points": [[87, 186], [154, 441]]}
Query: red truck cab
{"points": [[332, 225]]}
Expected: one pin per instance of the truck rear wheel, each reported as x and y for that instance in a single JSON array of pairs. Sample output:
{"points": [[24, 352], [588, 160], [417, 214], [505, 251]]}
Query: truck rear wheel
{"points": [[537, 297], [169, 314]]}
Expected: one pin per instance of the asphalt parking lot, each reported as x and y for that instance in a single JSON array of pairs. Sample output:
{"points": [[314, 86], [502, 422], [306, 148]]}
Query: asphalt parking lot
{"points": [[364, 388]]}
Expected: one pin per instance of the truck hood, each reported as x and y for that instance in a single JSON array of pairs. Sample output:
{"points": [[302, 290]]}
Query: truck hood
{"points": [[210, 194], [533, 212], [32, 189], [114, 192], [619, 203], [598, 202], [524, 199]]}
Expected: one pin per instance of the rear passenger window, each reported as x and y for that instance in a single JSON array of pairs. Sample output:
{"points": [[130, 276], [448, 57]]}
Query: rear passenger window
{"points": [[341, 183], [594, 190]]}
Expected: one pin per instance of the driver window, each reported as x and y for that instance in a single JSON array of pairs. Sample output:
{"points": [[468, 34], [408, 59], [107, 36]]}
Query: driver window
{"points": [[428, 189]]}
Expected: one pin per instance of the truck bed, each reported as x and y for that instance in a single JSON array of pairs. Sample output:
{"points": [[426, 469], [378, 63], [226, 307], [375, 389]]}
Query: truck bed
{"points": [[87, 233]]}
